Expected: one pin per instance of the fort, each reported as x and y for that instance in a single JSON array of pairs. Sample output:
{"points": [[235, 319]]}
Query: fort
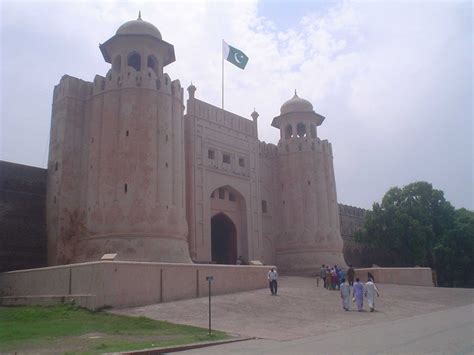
{"points": [[23, 198], [131, 173], [168, 187]]}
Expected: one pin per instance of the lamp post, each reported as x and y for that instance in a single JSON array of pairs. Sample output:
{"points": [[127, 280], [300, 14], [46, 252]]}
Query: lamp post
{"points": [[209, 279]]}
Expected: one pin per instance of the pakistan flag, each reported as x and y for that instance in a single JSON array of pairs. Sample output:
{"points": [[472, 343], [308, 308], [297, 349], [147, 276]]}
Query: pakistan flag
{"points": [[234, 55]]}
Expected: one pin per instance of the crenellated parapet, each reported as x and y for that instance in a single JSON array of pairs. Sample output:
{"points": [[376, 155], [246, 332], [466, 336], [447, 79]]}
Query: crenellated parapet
{"points": [[222, 118], [71, 87], [132, 78], [352, 211], [352, 220], [304, 144], [267, 150]]}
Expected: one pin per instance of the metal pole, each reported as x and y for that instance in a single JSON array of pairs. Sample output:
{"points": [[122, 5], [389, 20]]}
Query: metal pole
{"points": [[209, 306], [222, 74]]}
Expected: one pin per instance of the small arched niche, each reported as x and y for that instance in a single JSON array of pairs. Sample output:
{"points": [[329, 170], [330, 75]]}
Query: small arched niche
{"points": [[117, 64], [288, 131], [152, 63], [301, 130], [134, 61]]}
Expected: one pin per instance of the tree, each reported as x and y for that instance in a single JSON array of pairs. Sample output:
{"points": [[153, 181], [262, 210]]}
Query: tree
{"points": [[408, 222], [454, 253], [419, 227]]}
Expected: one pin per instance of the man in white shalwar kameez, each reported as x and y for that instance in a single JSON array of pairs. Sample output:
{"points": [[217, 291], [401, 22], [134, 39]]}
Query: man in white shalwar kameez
{"points": [[370, 291], [345, 290]]}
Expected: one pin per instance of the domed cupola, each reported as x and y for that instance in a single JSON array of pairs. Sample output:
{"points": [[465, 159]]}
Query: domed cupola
{"points": [[297, 119], [296, 104], [138, 44], [139, 27]]}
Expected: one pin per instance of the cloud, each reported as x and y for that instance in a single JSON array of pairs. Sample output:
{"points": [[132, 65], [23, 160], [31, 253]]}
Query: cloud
{"points": [[393, 79]]}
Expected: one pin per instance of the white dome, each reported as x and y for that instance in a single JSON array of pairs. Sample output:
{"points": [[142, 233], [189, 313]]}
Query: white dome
{"points": [[138, 27], [296, 104]]}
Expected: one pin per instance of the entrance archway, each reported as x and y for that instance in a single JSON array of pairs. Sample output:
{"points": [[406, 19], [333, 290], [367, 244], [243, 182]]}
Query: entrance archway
{"points": [[223, 240]]}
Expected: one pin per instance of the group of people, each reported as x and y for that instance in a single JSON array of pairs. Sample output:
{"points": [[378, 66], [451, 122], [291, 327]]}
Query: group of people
{"points": [[359, 290], [333, 276], [334, 279]]}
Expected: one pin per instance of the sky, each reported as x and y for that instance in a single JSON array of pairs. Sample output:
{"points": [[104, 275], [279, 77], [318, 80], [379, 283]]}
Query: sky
{"points": [[393, 79]]}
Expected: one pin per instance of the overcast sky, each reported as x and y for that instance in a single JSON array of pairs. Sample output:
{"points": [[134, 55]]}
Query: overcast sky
{"points": [[393, 79]]}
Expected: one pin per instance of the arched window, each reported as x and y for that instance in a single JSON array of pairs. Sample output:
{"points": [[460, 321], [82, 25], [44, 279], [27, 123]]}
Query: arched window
{"points": [[313, 131], [301, 130], [288, 131], [117, 64], [152, 63], [134, 61]]}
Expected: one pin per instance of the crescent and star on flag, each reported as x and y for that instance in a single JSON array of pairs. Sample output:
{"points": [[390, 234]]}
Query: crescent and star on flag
{"points": [[234, 56]]}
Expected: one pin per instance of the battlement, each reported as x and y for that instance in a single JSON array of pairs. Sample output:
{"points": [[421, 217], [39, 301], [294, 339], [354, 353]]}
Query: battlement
{"points": [[221, 117], [352, 211], [70, 86], [268, 150], [136, 79], [304, 144]]}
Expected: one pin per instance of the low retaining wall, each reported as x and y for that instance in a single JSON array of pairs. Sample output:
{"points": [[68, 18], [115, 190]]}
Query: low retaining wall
{"points": [[415, 276], [125, 284]]}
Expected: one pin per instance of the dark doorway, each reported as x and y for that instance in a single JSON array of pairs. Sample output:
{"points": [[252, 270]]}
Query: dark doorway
{"points": [[223, 240]]}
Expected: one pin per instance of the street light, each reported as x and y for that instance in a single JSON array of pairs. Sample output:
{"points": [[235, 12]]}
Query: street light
{"points": [[209, 279]]}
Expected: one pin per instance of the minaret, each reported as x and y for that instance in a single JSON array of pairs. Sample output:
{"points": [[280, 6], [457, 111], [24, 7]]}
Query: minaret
{"points": [[131, 176], [310, 232]]}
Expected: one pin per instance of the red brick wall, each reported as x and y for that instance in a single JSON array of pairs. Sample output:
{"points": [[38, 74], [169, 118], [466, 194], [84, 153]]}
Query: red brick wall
{"points": [[23, 241]]}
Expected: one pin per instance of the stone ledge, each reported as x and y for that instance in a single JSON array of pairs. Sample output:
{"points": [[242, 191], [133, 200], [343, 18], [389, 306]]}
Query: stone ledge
{"points": [[170, 349]]}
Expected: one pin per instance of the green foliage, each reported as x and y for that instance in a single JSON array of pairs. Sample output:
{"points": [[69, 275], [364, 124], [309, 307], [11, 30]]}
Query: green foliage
{"points": [[36, 327], [418, 226], [454, 254]]}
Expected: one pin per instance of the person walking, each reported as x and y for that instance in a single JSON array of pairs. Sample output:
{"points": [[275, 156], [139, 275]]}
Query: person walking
{"points": [[358, 293], [334, 278], [340, 276], [322, 274], [370, 292], [345, 290], [272, 281], [328, 278], [350, 275]]}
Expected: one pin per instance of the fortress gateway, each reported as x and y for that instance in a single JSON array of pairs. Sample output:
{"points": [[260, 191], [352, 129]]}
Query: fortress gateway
{"points": [[130, 173]]}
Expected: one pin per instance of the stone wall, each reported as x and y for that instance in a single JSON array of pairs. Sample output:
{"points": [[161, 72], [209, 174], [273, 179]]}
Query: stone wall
{"points": [[23, 241], [352, 219], [22, 217], [125, 284], [415, 276], [359, 254]]}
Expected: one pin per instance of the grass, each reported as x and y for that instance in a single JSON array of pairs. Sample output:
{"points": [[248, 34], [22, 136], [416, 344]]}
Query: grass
{"points": [[69, 329]]}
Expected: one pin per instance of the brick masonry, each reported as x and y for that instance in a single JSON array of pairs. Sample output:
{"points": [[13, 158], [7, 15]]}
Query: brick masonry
{"points": [[23, 242]]}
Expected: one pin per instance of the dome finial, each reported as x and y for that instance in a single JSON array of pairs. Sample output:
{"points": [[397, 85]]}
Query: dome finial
{"points": [[191, 90], [139, 15], [254, 115], [296, 95]]}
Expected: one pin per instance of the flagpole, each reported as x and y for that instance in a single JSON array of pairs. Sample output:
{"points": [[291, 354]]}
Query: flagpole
{"points": [[222, 74]]}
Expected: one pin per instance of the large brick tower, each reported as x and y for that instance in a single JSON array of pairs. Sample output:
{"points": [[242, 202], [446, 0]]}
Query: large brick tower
{"points": [[116, 161], [310, 233]]}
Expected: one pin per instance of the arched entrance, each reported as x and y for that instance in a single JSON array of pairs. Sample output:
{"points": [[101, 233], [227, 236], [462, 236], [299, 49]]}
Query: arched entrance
{"points": [[223, 240]]}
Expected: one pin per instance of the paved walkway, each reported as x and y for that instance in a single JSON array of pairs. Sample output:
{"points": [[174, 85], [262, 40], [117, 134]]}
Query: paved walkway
{"points": [[301, 309], [449, 331]]}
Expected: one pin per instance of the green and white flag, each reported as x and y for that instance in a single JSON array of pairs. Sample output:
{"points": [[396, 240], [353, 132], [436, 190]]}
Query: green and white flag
{"points": [[234, 55]]}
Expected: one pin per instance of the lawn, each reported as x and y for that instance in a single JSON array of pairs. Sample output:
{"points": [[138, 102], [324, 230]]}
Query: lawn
{"points": [[69, 329]]}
